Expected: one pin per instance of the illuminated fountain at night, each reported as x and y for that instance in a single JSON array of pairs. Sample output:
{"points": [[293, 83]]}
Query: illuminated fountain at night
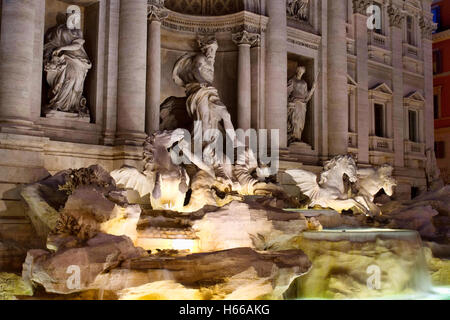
{"points": [[191, 220]]}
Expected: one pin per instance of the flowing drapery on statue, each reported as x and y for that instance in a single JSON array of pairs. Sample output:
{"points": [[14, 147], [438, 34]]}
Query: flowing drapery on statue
{"points": [[298, 9], [67, 65], [298, 98], [195, 72]]}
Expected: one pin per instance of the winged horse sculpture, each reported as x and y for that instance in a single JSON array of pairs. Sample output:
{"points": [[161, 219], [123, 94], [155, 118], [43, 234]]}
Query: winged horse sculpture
{"points": [[330, 190]]}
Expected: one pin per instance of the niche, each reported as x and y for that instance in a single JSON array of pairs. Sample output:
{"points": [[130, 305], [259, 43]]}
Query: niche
{"points": [[295, 61], [56, 14]]}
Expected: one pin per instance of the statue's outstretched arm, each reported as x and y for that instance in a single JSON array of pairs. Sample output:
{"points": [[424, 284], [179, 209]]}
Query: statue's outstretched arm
{"points": [[314, 87]]}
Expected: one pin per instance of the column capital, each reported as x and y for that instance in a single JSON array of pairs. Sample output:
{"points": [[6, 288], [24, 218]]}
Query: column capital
{"points": [[246, 38], [396, 16], [427, 26], [156, 10], [360, 6]]}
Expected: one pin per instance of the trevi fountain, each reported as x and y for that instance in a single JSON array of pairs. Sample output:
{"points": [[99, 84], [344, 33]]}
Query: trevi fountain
{"points": [[205, 214]]}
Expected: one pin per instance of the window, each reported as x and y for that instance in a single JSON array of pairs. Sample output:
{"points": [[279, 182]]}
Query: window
{"points": [[437, 62], [415, 191], [379, 119], [436, 11], [413, 128], [410, 30], [439, 149], [436, 106]]}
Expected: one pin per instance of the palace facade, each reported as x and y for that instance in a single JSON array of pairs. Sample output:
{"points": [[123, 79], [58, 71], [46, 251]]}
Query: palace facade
{"points": [[373, 96], [441, 90]]}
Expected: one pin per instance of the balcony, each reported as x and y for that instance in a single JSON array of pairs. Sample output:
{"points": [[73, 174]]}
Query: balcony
{"points": [[415, 154], [416, 148], [378, 40], [411, 51], [381, 144], [379, 48]]}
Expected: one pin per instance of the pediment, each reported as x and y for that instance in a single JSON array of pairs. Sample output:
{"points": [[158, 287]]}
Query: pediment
{"points": [[351, 81], [416, 96], [382, 88]]}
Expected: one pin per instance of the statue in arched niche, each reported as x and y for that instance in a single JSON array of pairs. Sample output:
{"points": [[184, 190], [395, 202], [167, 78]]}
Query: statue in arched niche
{"points": [[195, 73], [66, 64], [298, 98]]}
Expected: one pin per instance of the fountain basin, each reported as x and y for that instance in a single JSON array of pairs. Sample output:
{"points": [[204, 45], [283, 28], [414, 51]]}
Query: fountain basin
{"points": [[361, 264]]}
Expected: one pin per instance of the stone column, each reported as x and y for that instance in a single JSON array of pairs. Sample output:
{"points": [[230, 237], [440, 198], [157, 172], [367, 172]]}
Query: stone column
{"points": [[276, 69], [337, 79], [396, 22], [244, 40], [427, 26], [257, 74], [156, 13], [16, 64], [362, 98], [38, 49], [132, 72]]}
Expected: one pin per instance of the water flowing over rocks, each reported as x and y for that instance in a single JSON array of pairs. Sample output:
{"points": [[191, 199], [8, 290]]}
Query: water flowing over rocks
{"points": [[90, 227]]}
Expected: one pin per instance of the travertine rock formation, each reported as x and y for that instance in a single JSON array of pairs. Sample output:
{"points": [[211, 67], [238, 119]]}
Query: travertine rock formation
{"points": [[88, 260], [362, 265], [231, 274], [428, 213]]}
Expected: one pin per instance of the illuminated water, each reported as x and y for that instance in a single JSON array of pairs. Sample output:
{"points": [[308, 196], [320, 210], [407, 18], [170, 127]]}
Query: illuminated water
{"points": [[342, 257]]}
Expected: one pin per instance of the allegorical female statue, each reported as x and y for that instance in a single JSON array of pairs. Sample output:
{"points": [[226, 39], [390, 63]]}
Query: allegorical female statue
{"points": [[67, 65], [298, 98]]}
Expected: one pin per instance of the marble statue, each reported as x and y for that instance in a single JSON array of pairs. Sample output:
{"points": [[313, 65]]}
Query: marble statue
{"points": [[66, 64], [298, 98], [165, 179], [330, 191], [195, 73], [432, 171], [251, 176], [298, 9], [371, 181], [165, 182]]}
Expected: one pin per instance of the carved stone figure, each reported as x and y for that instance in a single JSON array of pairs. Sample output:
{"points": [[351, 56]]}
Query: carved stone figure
{"points": [[298, 98], [67, 65], [298, 9], [251, 176], [432, 171], [330, 191], [195, 72], [371, 181], [165, 182]]}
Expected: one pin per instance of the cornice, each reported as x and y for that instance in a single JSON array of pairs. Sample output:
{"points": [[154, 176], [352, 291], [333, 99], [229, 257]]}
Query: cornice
{"points": [[235, 22], [441, 36], [303, 38]]}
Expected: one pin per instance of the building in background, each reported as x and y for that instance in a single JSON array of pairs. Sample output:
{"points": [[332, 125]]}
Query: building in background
{"points": [[441, 83]]}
